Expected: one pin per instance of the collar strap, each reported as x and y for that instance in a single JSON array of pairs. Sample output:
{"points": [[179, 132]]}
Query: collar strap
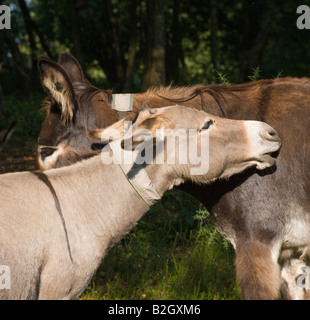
{"points": [[136, 175], [122, 103]]}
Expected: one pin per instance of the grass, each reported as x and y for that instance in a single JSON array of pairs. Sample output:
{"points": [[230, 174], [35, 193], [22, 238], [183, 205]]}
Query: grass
{"points": [[168, 255]]}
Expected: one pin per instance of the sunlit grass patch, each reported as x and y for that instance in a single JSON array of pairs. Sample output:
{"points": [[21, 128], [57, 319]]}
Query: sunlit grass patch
{"points": [[169, 256]]}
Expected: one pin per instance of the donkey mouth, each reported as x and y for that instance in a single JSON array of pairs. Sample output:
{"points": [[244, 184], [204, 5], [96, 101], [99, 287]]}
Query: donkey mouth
{"points": [[267, 160]]}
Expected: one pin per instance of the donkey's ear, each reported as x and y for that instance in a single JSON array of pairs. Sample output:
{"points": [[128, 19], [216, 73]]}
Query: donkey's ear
{"points": [[71, 66], [58, 84], [147, 109]]}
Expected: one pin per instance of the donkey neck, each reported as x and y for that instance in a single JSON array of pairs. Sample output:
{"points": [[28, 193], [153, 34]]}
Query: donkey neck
{"points": [[164, 177], [100, 198]]}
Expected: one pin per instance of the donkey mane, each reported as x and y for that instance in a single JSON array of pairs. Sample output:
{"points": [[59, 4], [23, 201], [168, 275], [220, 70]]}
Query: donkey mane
{"points": [[222, 93], [190, 92], [87, 91]]}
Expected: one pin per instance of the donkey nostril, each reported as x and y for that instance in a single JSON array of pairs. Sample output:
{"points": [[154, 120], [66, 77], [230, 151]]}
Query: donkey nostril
{"points": [[271, 135], [274, 134]]}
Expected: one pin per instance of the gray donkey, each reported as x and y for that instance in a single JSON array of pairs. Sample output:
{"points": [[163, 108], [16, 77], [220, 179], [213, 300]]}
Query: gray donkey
{"points": [[57, 226]]}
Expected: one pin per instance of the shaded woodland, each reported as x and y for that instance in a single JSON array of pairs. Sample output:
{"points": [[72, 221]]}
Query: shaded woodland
{"points": [[130, 45]]}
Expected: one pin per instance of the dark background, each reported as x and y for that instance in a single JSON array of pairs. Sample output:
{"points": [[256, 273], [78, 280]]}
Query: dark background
{"points": [[130, 45]]}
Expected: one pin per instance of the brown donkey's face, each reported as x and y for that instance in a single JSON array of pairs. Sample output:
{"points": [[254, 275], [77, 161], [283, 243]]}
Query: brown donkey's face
{"points": [[73, 108], [233, 145]]}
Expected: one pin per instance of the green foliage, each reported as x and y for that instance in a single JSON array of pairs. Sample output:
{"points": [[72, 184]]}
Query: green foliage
{"points": [[198, 59], [247, 34], [208, 231], [223, 78], [28, 116], [279, 75], [256, 74]]}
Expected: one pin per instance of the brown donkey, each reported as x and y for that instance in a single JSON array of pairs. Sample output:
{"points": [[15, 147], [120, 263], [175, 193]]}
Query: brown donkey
{"points": [[56, 226], [260, 214]]}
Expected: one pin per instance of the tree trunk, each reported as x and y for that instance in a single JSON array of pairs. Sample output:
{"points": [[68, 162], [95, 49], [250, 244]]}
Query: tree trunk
{"points": [[31, 27], [115, 43], [154, 74], [2, 55], [174, 49], [214, 32], [108, 49], [75, 32], [1, 103], [129, 83], [18, 61], [251, 54]]}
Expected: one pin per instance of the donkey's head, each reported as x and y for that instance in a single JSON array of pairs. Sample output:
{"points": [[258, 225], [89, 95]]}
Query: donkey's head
{"points": [[73, 108], [203, 148]]}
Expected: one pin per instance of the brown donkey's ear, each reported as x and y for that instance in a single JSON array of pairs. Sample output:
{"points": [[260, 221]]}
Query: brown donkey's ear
{"points": [[58, 84], [71, 66]]}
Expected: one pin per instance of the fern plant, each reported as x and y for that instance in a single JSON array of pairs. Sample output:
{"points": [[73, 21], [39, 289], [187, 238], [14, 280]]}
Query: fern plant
{"points": [[223, 78], [256, 74]]}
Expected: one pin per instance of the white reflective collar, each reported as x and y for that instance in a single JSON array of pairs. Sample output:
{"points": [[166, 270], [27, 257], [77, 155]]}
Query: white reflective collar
{"points": [[122, 102], [136, 175]]}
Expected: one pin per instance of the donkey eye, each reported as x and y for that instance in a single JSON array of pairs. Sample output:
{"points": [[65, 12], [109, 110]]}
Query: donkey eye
{"points": [[98, 146], [46, 152], [207, 125]]}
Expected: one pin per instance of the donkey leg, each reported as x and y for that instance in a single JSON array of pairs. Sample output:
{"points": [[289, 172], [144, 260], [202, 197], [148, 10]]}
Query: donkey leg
{"points": [[258, 273]]}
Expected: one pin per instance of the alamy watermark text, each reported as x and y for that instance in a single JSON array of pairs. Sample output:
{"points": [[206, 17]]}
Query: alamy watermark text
{"points": [[5, 277], [5, 17], [303, 21], [182, 147]]}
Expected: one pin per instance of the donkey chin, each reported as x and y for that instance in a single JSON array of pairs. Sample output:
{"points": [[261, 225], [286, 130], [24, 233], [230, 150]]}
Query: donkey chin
{"points": [[264, 144]]}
